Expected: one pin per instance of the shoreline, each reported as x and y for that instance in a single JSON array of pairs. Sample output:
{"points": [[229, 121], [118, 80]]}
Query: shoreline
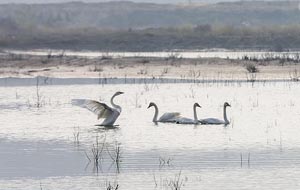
{"points": [[200, 69], [47, 81], [176, 53]]}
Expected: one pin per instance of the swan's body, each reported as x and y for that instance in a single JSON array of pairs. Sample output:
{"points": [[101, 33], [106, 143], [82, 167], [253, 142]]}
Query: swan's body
{"points": [[109, 114], [185, 120], [215, 121], [170, 117]]}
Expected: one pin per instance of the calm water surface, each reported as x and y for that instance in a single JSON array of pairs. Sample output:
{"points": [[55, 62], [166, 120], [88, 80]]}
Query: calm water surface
{"points": [[260, 149]]}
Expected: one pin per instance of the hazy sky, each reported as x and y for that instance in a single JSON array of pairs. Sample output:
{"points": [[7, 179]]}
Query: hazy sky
{"points": [[153, 1]]}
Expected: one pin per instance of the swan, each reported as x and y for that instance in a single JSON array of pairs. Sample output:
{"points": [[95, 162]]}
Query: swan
{"points": [[215, 121], [166, 117], [184, 120], [110, 114]]}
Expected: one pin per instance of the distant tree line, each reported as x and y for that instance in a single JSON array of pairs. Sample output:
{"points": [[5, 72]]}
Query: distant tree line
{"points": [[275, 38], [128, 26]]}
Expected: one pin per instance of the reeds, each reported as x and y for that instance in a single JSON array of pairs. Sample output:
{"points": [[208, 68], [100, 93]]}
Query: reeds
{"points": [[98, 154], [164, 162], [97, 149], [109, 186], [76, 135], [38, 94], [251, 77], [115, 155], [248, 159], [176, 183], [282, 58]]}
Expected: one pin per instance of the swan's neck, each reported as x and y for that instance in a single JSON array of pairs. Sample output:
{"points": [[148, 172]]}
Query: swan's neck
{"points": [[195, 114], [114, 105], [225, 115], [155, 114]]}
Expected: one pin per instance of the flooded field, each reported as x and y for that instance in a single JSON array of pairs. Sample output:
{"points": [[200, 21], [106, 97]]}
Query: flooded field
{"points": [[54, 146]]}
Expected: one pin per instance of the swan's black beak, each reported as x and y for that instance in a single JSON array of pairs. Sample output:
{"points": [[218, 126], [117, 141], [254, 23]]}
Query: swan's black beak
{"points": [[121, 92], [148, 106], [229, 105], [197, 105]]}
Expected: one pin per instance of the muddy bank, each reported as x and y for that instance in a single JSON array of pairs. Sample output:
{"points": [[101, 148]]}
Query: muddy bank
{"points": [[29, 66]]}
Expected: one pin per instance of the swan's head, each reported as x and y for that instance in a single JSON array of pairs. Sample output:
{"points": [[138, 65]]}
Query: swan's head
{"points": [[151, 104], [118, 93], [227, 104], [197, 105]]}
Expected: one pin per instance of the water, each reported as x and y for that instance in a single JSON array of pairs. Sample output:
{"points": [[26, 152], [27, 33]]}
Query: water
{"points": [[224, 54], [258, 150]]}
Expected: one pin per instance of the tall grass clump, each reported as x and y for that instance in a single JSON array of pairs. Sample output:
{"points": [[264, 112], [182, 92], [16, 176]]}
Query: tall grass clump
{"points": [[176, 183], [251, 68]]}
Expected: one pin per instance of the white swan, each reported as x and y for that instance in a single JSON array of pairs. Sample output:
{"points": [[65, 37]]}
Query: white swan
{"points": [[170, 117], [109, 114], [215, 121], [184, 120]]}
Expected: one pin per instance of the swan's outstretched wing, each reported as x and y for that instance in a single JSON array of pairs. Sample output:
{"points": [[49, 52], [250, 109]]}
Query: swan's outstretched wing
{"points": [[169, 117], [212, 121], [100, 109]]}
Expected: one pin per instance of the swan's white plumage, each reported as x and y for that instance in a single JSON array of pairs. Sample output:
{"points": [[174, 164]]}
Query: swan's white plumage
{"points": [[100, 109], [215, 121], [169, 117], [110, 115], [185, 120]]}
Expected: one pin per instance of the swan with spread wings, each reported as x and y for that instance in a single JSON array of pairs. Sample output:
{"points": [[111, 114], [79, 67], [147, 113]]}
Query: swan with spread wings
{"points": [[103, 111]]}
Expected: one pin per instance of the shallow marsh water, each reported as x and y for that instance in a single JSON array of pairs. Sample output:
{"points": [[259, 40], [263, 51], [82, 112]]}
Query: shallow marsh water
{"points": [[260, 149]]}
